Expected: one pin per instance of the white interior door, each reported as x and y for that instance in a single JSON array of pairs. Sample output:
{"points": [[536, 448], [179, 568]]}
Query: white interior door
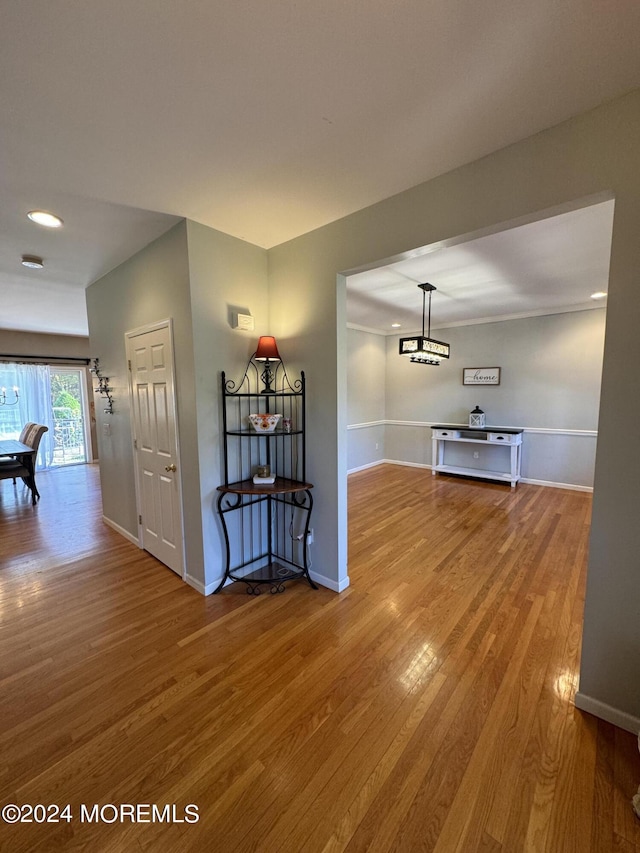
{"points": [[150, 356]]}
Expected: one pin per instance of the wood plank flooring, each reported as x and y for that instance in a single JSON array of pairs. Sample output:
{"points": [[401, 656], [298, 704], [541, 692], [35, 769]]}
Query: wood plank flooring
{"points": [[427, 708]]}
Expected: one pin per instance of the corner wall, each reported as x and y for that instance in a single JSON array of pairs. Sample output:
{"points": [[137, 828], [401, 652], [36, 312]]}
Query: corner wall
{"points": [[226, 275]]}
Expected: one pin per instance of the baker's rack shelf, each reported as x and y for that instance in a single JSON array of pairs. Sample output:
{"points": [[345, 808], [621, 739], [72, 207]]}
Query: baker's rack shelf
{"points": [[266, 526]]}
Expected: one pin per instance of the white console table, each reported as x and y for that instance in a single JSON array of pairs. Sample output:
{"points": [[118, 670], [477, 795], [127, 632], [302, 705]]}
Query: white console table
{"points": [[487, 436]]}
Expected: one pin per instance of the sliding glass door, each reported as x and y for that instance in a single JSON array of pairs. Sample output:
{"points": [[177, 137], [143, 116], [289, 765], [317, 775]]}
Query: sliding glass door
{"points": [[68, 396], [49, 395]]}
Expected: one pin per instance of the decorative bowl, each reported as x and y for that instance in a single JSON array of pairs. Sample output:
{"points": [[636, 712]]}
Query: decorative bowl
{"points": [[264, 422]]}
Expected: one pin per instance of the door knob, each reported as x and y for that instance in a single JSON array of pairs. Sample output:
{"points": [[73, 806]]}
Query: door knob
{"points": [[171, 467]]}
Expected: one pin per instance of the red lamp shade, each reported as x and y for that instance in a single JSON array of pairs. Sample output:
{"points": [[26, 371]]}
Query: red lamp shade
{"points": [[267, 349]]}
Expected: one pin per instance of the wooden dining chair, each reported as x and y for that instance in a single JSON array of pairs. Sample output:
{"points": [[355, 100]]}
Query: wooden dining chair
{"points": [[17, 466]]}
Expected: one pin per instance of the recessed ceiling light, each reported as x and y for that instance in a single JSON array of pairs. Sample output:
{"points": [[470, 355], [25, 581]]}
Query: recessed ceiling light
{"points": [[396, 326], [600, 294], [42, 217], [32, 261]]}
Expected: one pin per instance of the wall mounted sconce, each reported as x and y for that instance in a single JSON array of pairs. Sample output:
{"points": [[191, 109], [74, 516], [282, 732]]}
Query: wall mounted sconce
{"points": [[3, 397], [103, 386]]}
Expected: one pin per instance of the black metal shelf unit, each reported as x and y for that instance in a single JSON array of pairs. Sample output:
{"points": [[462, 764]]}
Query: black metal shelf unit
{"points": [[265, 527]]}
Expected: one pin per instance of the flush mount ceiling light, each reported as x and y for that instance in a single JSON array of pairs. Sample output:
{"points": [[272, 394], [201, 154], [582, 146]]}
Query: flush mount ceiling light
{"points": [[396, 326], [423, 349], [43, 217], [33, 262], [599, 294]]}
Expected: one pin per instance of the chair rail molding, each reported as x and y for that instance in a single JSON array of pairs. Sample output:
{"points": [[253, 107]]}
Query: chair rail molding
{"points": [[586, 433]]}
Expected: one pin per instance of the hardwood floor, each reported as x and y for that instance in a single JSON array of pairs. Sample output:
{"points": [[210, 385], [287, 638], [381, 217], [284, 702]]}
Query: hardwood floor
{"points": [[427, 708]]}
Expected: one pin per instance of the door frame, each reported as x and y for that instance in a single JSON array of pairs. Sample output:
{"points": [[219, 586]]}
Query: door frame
{"points": [[129, 335]]}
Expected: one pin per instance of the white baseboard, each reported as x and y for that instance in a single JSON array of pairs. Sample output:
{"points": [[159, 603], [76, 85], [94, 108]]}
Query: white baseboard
{"points": [[551, 485], [122, 531], [329, 583], [204, 589], [407, 464], [315, 577], [547, 483], [364, 467], [388, 462], [607, 713]]}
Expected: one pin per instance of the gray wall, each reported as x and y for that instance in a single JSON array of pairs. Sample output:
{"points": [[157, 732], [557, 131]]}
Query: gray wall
{"points": [[551, 369], [151, 286], [366, 388], [226, 275], [37, 343], [595, 155]]}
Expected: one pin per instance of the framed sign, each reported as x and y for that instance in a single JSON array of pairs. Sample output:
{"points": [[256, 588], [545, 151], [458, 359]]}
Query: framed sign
{"points": [[481, 376]]}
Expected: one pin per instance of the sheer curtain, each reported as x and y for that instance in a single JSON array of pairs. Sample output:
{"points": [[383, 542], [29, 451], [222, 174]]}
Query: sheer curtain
{"points": [[34, 405]]}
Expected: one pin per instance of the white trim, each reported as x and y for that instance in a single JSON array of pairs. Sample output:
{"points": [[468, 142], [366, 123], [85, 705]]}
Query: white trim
{"points": [[122, 531], [370, 331], [364, 467], [367, 425], [586, 433], [425, 424], [480, 321], [337, 586], [202, 588], [389, 462], [407, 464], [608, 713], [550, 484], [582, 433]]}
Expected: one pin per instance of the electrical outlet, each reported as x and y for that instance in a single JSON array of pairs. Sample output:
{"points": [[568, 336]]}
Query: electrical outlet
{"points": [[476, 455], [310, 537]]}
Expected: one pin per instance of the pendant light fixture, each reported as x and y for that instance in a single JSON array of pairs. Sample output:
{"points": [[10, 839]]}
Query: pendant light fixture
{"points": [[423, 349]]}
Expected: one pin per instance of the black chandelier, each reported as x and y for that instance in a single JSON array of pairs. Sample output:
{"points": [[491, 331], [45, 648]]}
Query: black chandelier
{"points": [[423, 349]]}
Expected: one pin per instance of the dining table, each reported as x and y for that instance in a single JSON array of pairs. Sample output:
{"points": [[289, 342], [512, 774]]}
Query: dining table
{"points": [[15, 449]]}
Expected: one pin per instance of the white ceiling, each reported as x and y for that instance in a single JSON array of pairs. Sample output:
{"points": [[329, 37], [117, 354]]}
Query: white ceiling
{"points": [[264, 120], [549, 266]]}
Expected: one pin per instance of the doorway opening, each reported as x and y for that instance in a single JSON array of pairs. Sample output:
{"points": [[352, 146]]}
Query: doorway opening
{"points": [[522, 298]]}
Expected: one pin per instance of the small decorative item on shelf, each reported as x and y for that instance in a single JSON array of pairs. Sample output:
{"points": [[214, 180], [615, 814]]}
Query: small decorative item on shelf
{"points": [[476, 418], [265, 422], [286, 425], [263, 476], [103, 386]]}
